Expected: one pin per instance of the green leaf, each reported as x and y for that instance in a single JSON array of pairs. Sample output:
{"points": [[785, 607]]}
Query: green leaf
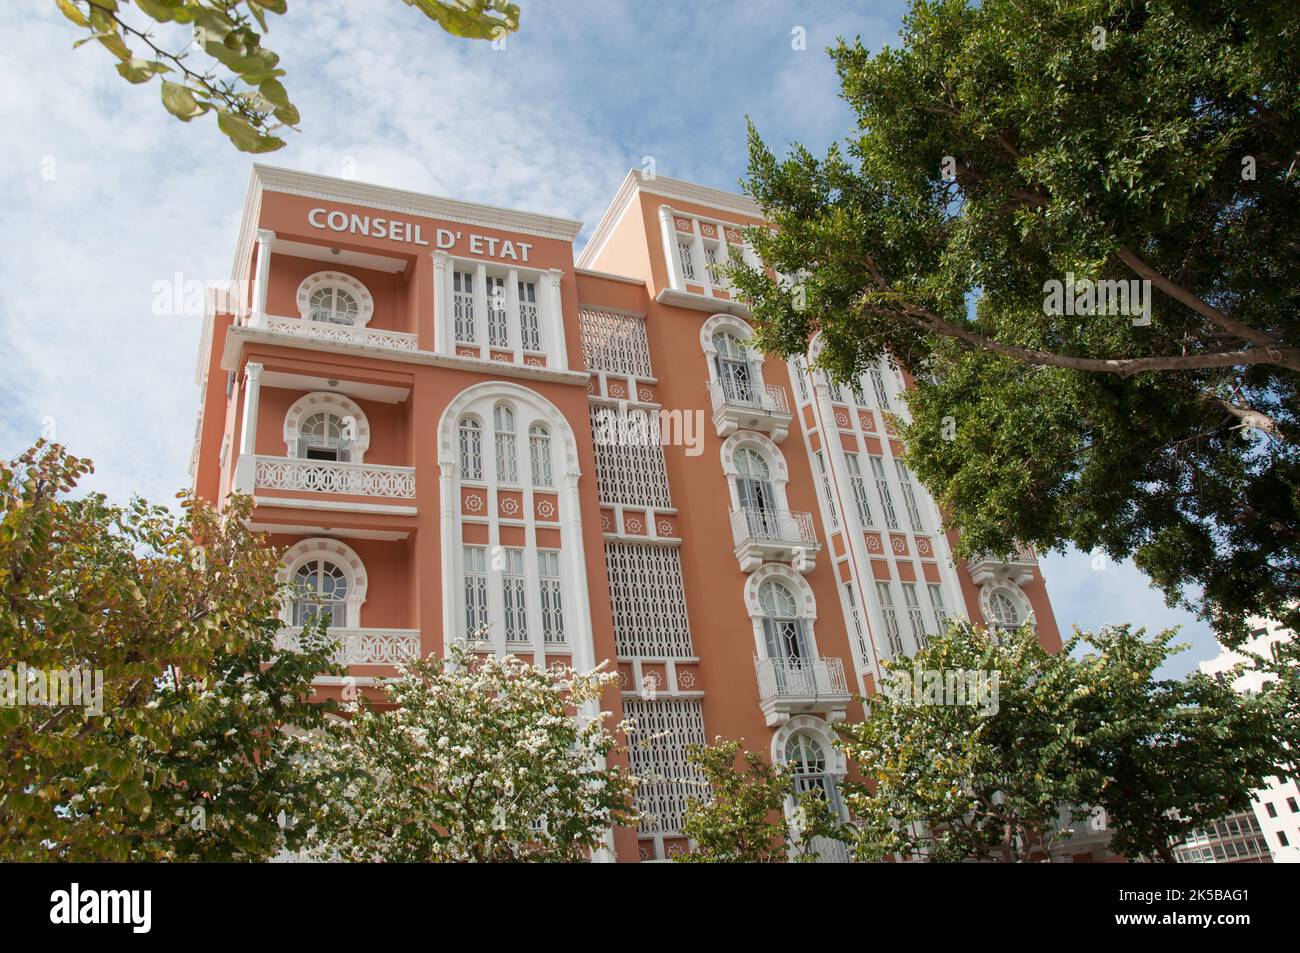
{"points": [[180, 101], [71, 11], [245, 136], [141, 71]]}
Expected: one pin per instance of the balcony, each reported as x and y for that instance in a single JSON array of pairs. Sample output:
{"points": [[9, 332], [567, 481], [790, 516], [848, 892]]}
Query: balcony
{"points": [[324, 332], [773, 535], [362, 646], [794, 686], [328, 476], [1018, 570], [739, 405]]}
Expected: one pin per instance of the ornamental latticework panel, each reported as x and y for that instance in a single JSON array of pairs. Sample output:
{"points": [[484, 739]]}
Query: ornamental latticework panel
{"points": [[657, 754], [614, 342], [645, 588]]}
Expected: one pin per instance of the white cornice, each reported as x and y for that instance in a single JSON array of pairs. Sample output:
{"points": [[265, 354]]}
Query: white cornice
{"points": [[610, 276], [236, 336], [288, 181], [699, 302], [266, 178], [664, 187]]}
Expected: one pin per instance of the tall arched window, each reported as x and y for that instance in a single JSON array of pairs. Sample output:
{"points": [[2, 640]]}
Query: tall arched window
{"points": [[733, 367], [333, 305], [539, 455], [1006, 614], [755, 491], [783, 630], [326, 436], [320, 586], [503, 426], [808, 768], [471, 449]]}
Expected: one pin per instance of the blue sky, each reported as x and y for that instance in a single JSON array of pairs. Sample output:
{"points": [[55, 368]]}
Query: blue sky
{"points": [[103, 193]]}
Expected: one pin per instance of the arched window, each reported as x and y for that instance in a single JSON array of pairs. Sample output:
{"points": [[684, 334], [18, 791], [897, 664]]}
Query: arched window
{"points": [[333, 305], [733, 367], [326, 436], [539, 455], [756, 494], [503, 426], [808, 768], [471, 449], [320, 586], [783, 630], [1006, 614]]}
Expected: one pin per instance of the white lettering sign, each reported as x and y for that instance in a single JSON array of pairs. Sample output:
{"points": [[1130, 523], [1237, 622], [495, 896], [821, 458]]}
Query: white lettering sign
{"points": [[411, 233]]}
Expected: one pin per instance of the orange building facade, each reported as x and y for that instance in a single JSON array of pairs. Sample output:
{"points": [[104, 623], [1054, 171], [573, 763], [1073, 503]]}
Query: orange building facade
{"points": [[457, 431]]}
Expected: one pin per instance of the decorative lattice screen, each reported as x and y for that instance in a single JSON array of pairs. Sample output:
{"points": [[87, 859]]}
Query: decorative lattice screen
{"points": [[657, 752], [614, 342], [631, 472], [645, 587]]}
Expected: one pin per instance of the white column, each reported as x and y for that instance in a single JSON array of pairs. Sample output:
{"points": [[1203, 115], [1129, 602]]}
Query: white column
{"points": [[577, 614], [697, 255], [551, 306], [452, 571], [264, 239], [480, 311], [245, 465], [514, 323], [443, 304], [676, 279]]}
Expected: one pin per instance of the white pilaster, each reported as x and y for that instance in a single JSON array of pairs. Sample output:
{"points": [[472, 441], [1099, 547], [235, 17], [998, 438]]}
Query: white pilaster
{"points": [[244, 466], [443, 304], [264, 239], [514, 322], [676, 279], [480, 311], [552, 320]]}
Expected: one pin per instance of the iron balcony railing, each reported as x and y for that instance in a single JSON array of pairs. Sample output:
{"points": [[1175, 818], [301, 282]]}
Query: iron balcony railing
{"points": [[781, 678], [773, 526], [765, 397]]}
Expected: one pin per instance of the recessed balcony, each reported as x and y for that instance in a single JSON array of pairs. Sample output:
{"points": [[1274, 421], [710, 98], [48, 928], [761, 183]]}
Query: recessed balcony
{"points": [[289, 475], [739, 405], [345, 334], [362, 646], [796, 686], [773, 536]]}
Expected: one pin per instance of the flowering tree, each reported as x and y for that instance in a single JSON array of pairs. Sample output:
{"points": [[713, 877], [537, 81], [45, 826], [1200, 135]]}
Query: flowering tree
{"points": [[179, 752], [742, 820], [480, 759]]}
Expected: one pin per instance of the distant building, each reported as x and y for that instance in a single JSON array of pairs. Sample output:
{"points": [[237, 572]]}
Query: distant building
{"points": [[1275, 821]]}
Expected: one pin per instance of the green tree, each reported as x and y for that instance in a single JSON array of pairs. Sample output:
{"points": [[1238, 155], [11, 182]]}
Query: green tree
{"points": [[474, 758], [222, 66], [1045, 739], [1011, 143], [187, 758], [741, 820]]}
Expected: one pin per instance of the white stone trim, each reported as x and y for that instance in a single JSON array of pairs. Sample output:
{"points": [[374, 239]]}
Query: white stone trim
{"points": [[529, 408], [336, 279], [324, 401], [1014, 591], [836, 762], [779, 471], [339, 553]]}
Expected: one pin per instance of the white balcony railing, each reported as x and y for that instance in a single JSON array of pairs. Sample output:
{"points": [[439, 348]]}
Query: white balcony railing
{"points": [[1018, 568], [764, 397], [801, 679], [362, 646], [779, 526], [342, 333], [327, 476]]}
